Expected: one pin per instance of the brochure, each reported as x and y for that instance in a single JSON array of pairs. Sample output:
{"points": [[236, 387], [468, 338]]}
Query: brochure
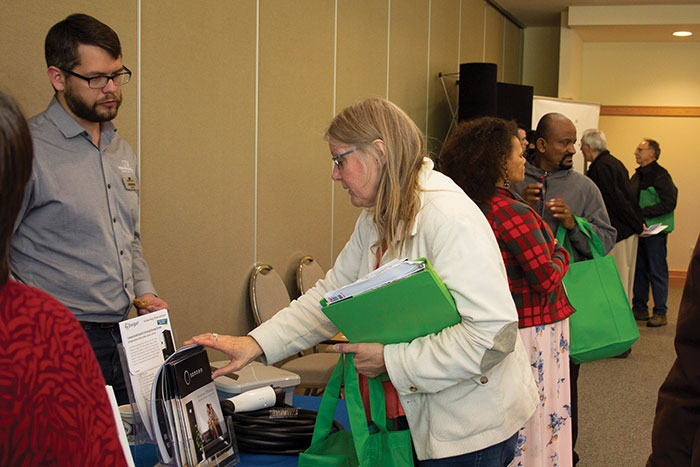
{"points": [[147, 341], [185, 406], [654, 229]]}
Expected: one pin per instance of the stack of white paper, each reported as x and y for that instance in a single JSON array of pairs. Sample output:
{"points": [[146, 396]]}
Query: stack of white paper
{"points": [[390, 272], [654, 229]]}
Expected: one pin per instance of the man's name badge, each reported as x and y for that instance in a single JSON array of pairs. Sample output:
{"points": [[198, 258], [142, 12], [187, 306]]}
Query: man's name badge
{"points": [[130, 182]]}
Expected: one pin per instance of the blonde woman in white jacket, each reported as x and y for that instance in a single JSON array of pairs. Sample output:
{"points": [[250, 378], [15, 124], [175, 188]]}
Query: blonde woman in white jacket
{"points": [[464, 392]]}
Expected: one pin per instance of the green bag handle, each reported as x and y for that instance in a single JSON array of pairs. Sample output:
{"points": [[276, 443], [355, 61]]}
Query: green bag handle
{"points": [[597, 248], [377, 402], [356, 411], [326, 411]]}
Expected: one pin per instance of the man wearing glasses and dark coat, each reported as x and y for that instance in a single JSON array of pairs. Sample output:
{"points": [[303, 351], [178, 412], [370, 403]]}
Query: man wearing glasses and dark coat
{"points": [[77, 234]]}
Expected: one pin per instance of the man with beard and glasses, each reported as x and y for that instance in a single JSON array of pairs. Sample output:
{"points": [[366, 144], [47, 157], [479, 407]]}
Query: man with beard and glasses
{"points": [[77, 234], [558, 193]]}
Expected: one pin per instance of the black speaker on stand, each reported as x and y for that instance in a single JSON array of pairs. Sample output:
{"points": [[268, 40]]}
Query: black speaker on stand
{"points": [[478, 93], [481, 95], [515, 103]]}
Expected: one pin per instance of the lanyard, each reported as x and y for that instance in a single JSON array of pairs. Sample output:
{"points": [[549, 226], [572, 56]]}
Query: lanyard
{"points": [[543, 190]]}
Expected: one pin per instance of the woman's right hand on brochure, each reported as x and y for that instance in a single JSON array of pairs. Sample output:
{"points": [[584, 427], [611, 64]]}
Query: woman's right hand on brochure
{"points": [[241, 350]]}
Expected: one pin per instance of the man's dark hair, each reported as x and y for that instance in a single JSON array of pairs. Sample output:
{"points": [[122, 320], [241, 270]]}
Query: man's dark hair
{"points": [[653, 144], [16, 156], [62, 40], [476, 154]]}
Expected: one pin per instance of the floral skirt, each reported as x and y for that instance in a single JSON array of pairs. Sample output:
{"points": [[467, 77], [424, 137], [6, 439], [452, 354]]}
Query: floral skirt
{"points": [[545, 440]]}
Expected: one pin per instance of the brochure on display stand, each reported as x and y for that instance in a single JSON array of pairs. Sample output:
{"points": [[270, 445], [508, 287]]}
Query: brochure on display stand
{"points": [[173, 397], [190, 427], [147, 341]]}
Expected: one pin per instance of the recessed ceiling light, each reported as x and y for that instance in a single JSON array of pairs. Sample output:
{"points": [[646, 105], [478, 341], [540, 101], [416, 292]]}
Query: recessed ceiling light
{"points": [[682, 33]]}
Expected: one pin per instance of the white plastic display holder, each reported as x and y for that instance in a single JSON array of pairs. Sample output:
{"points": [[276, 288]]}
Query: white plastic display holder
{"points": [[252, 376], [139, 433]]}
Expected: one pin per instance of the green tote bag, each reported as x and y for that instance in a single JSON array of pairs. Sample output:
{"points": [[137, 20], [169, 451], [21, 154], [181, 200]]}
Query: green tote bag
{"points": [[366, 445], [603, 325], [649, 197]]}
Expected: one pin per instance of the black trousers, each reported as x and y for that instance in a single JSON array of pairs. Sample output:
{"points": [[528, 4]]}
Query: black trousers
{"points": [[104, 338]]}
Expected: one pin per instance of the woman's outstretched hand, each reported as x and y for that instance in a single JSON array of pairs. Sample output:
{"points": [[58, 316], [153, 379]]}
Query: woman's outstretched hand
{"points": [[241, 350]]}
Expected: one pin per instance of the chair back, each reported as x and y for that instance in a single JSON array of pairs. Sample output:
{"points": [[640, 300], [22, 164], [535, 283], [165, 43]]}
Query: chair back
{"points": [[308, 273], [268, 294]]}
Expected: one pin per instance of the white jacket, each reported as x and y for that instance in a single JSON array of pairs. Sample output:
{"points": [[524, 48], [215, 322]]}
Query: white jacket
{"points": [[465, 388]]}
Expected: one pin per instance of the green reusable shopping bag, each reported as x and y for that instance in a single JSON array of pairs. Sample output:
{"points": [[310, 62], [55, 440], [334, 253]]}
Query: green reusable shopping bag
{"points": [[603, 325], [649, 197], [366, 446]]}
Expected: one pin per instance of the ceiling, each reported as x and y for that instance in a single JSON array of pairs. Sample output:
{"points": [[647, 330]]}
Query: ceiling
{"points": [[547, 12], [638, 33]]}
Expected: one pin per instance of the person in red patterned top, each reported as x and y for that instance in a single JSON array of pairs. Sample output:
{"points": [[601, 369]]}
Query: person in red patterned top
{"points": [[484, 156], [54, 408]]}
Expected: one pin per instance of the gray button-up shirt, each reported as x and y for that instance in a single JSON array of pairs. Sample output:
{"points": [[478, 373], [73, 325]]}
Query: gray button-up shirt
{"points": [[77, 234]]}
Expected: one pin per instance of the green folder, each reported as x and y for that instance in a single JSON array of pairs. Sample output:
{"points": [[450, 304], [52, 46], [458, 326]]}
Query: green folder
{"points": [[411, 307]]}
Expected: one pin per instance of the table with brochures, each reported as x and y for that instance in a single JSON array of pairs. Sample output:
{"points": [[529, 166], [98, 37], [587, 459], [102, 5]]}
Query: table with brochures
{"points": [[364, 311], [146, 456]]}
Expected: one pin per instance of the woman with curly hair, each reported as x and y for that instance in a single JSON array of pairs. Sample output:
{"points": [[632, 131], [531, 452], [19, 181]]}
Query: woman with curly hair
{"points": [[484, 157]]}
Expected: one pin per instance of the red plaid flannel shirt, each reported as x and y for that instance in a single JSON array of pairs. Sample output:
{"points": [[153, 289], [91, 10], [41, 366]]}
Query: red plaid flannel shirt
{"points": [[535, 264]]}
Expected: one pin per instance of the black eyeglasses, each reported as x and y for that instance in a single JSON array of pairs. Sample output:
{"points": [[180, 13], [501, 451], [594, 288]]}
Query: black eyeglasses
{"points": [[100, 81]]}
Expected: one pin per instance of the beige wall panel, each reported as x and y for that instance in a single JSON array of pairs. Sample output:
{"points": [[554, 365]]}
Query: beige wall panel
{"points": [[495, 32], [361, 51], [676, 136], [664, 74], [570, 64], [512, 53], [360, 73], [197, 164], [23, 28], [621, 74], [295, 105], [541, 60], [472, 40], [408, 57], [444, 57]]}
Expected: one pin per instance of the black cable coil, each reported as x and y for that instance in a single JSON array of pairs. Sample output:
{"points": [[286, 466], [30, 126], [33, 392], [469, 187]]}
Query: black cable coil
{"points": [[262, 432]]}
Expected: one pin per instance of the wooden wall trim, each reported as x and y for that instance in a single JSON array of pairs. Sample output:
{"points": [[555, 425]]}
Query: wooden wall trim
{"points": [[676, 277], [648, 111]]}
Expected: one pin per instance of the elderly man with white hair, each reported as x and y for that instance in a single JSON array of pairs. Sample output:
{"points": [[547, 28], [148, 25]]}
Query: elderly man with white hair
{"points": [[612, 179]]}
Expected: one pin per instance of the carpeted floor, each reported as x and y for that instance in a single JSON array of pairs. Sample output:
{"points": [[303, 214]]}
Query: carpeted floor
{"points": [[617, 397]]}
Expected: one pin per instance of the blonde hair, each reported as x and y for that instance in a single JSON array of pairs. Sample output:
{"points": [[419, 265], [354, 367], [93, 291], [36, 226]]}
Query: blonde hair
{"points": [[397, 192]]}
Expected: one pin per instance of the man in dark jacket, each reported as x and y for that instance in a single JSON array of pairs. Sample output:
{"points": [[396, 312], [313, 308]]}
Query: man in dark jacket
{"points": [[612, 179], [657, 195], [675, 437]]}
